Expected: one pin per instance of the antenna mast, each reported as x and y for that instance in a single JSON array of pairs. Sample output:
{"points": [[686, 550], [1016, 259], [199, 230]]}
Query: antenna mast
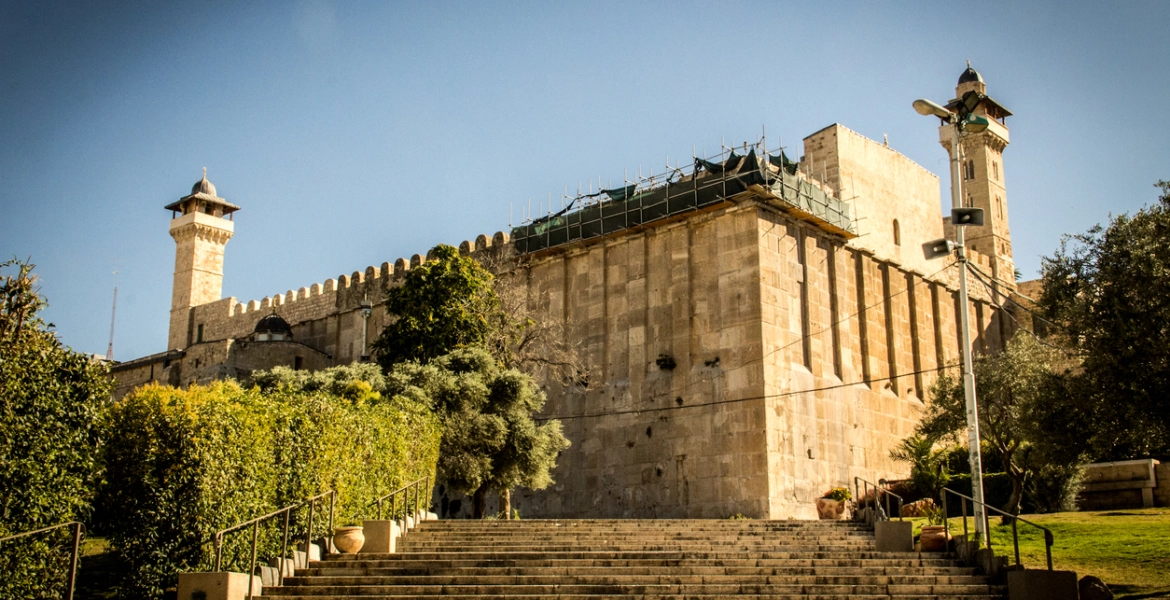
{"points": [[113, 315]]}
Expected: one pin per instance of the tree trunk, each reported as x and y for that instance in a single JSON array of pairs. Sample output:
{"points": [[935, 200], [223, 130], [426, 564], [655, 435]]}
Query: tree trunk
{"points": [[479, 502], [506, 503], [1013, 505]]}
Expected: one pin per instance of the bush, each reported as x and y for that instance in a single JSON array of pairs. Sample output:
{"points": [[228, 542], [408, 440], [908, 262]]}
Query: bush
{"points": [[1054, 488], [997, 491], [186, 463], [51, 400]]}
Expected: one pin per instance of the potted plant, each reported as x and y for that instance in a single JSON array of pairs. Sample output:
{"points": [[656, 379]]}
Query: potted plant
{"points": [[349, 539], [934, 536], [831, 506]]}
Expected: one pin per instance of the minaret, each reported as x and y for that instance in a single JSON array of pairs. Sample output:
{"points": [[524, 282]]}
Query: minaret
{"points": [[201, 225], [982, 172]]}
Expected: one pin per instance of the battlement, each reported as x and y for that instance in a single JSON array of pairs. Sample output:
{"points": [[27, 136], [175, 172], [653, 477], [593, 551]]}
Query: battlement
{"points": [[310, 309]]}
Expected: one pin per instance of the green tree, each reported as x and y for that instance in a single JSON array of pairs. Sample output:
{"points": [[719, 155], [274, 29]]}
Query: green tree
{"points": [[928, 470], [443, 304], [490, 438], [1010, 386], [51, 399], [1108, 291]]}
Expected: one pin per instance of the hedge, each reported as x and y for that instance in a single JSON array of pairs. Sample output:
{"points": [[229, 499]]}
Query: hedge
{"points": [[997, 490], [182, 464], [51, 401]]}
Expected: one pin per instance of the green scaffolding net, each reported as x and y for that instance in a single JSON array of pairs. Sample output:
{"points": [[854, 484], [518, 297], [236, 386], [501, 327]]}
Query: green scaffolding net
{"points": [[774, 179]]}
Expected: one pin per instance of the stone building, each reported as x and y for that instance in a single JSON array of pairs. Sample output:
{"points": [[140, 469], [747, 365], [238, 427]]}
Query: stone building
{"points": [[757, 331]]}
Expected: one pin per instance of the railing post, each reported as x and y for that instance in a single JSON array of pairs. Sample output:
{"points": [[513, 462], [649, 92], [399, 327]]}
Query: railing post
{"points": [[1015, 541], [218, 552], [73, 561], [946, 515], [252, 565], [284, 545], [309, 535], [1048, 547], [328, 535], [965, 534]]}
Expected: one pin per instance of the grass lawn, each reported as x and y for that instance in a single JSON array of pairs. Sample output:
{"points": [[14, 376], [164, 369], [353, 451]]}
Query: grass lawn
{"points": [[98, 572], [1128, 549]]}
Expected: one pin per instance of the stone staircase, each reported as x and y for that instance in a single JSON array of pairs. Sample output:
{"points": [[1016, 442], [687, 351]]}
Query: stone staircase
{"points": [[809, 560]]}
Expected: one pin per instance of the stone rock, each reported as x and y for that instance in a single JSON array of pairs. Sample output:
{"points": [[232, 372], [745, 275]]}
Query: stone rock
{"points": [[918, 509], [1092, 588]]}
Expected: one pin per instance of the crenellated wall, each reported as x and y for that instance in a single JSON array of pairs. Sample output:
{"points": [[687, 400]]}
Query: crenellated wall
{"points": [[325, 319]]}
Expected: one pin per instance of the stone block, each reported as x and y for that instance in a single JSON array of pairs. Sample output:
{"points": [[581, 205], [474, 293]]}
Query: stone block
{"points": [[269, 576], [300, 560], [1042, 585], [217, 586], [287, 565], [894, 536], [381, 536]]}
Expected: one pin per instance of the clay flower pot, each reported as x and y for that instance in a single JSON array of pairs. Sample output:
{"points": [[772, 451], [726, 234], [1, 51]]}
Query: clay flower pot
{"points": [[934, 538], [349, 539], [830, 509]]}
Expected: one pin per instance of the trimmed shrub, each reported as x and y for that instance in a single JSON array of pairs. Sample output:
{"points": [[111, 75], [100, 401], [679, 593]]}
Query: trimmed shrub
{"points": [[186, 463], [182, 464], [51, 399]]}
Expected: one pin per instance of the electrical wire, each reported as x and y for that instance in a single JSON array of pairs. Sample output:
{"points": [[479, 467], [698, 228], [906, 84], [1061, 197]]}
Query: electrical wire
{"points": [[749, 399]]}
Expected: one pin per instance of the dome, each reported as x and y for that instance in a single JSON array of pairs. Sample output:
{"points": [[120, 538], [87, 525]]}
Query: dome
{"points": [[203, 186], [967, 77], [273, 324]]}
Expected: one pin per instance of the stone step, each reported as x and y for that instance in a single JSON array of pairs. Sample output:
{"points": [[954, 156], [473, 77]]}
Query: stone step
{"points": [[997, 593], [605, 558], [573, 570], [640, 539], [643, 579], [469, 526], [658, 597], [626, 547], [575, 534], [701, 557], [641, 589]]}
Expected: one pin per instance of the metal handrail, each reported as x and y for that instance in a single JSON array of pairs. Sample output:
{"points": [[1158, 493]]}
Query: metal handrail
{"points": [[255, 523], [78, 532], [404, 491], [1048, 537], [877, 497]]}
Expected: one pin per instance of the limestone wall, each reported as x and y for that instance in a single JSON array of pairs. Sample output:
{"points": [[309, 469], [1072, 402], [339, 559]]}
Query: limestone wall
{"points": [[799, 362], [883, 187], [657, 439]]}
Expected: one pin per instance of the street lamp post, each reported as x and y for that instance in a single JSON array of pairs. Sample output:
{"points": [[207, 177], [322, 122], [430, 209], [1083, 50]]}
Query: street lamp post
{"points": [[961, 218], [367, 310]]}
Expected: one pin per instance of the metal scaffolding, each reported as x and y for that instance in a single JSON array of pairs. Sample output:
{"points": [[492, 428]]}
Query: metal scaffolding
{"points": [[772, 179]]}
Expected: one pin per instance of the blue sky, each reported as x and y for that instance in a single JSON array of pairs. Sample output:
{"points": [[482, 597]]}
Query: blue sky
{"points": [[354, 133]]}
